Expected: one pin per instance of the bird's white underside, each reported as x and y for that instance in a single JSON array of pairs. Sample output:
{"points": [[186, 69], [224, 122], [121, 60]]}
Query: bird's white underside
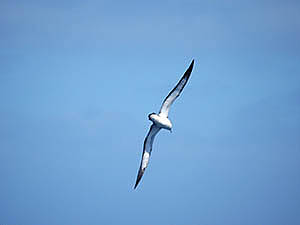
{"points": [[161, 121]]}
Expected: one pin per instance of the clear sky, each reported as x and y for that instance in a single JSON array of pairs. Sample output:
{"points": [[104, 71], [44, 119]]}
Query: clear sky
{"points": [[78, 79]]}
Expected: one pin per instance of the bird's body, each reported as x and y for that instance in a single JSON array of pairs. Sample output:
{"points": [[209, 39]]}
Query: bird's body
{"points": [[161, 121]]}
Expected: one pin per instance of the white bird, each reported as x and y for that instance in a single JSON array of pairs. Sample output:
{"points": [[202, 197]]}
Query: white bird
{"points": [[161, 121]]}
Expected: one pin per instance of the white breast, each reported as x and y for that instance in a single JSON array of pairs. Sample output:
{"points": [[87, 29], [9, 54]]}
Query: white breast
{"points": [[161, 121]]}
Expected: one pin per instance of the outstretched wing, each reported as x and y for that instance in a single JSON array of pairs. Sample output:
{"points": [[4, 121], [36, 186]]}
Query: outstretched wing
{"points": [[164, 110], [146, 152]]}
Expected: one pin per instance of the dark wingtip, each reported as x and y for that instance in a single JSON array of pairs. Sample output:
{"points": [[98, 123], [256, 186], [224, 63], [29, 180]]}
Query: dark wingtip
{"points": [[192, 64], [139, 177], [189, 70], [136, 183]]}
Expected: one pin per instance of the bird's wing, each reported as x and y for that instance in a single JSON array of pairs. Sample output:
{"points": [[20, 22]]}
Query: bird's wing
{"points": [[164, 110], [147, 151]]}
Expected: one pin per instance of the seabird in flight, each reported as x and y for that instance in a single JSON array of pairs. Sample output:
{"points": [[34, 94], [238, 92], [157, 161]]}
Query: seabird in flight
{"points": [[161, 121]]}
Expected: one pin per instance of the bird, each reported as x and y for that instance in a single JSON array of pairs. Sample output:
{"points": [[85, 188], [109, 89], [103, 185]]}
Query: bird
{"points": [[161, 121]]}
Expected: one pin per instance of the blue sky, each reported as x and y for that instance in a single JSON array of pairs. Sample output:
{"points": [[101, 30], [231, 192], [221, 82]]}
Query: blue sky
{"points": [[78, 79]]}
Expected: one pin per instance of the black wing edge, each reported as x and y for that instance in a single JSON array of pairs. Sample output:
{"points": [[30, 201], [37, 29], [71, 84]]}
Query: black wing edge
{"points": [[141, 171], [186, 74], [139, 177]]}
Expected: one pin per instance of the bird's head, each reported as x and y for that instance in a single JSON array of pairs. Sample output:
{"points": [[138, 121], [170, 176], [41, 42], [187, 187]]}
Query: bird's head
{"points": [[150, 116]]}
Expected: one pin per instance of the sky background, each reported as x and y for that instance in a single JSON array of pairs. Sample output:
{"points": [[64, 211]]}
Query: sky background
{"points": [[78, 79]]}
